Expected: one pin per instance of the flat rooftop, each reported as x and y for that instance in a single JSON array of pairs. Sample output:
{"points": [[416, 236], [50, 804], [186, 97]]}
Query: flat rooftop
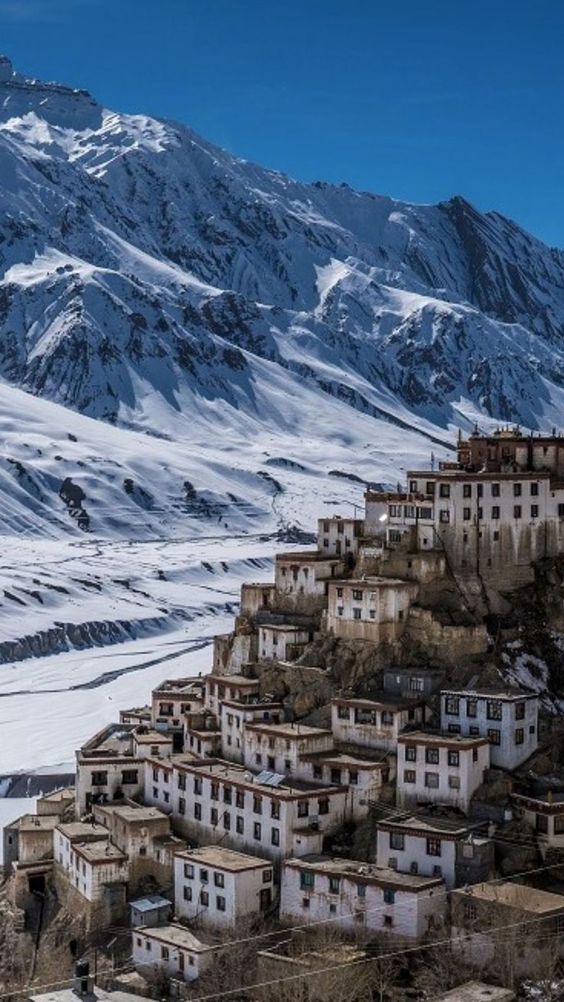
{"points": [[151, 738], [243, 681], [425, 738], [358, 870], [58, 796], [112, 740], [288, 729], [133, 815], [99, 852], [76, 830], [177, 686], [518, 896], [430, 823], [371, 582], [224, 859], [308, 556], [491, 692], [380, 700], [176, 935], [149, 902], [35, 822], [362, 758], [229, 772], [476, 991]]}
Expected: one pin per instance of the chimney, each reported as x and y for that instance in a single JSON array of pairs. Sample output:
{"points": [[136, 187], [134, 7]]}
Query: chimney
{"points": [[83, 982]]}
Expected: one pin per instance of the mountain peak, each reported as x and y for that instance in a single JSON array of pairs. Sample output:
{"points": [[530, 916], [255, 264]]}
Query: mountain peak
{"points": [[68, 107]]}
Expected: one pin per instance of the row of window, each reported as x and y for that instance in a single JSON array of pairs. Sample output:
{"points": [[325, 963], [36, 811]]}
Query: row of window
{"points": [[467, 489], [129, 777], [218, 878], [165, 953], [494, 708], [307, 883], [204, 899], [431, 779], [432, 755], [433, 845], [361, 715]]}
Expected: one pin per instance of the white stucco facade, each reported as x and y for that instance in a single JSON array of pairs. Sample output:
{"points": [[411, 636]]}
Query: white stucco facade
{"points": [[445, 769], [221, 887], [508, 719], [171, 949], [372, 608], [338, 536], [374, 724]]}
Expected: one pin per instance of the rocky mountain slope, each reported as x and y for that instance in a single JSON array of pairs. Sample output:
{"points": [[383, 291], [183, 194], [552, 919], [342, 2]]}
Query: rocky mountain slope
{"points": [[156, 282]]}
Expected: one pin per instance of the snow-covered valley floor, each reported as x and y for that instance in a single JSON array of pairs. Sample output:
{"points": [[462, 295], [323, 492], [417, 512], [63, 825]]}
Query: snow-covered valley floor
{"points": [[185, 591]]}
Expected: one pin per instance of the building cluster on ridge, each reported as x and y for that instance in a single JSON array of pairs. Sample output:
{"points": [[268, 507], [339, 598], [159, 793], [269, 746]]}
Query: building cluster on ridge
{"points": [[230, 810]]}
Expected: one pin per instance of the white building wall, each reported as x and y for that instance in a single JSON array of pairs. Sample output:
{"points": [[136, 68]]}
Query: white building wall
{"points": [[282, 754], [274, 642], [456, 784], [368, 610], [339, 536], [513, 738], [415, 857], [148, 954], [374, 726], [407, 915], [158, 785], [89, 770], [239, 897]]}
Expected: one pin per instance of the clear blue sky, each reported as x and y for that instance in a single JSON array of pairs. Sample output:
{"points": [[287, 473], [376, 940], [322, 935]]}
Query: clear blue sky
{"points": [[420, 99]]}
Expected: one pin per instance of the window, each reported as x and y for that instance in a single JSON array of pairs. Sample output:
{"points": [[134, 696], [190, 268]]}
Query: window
{"points": [[397, 841], [471, 707], [204, 898], [357, 595], [307, 880], [517, 511], [558, 824], [561, 511], [494, 735], [181, 805], [432, 756], [215, 791], [495, 490], [466, 515], [188, 871], [517, 490], [220, 903], [474, 731], [534, 511], [413, 486], [495, 512], [274, 809], [452, 706], [339, 592], [165, 953], [187, 893], [343, 712], [305, 902], [467, 490], [388, 921], [197, 786], [454, 728], [198, 812], [240, 825], [361, 890], [434, 846], [519, 736], [430, 487], [303, 808], [389, 896], [227, 794], [454, 758], [334, 885], [454, 782], [275, 836], [470, 911], [494, 709], [99, 779], [357, 613], [129, 776], [534, 490], [204, 876], [409, 775], [336, 776], [214, 816], [240, 799], [323, 805], [353, 777], [444, 515], [267, 876], [257, 805], [387, 717], [444, 490], [432, 780], [519, 711], [257, 831], [411, 753]]}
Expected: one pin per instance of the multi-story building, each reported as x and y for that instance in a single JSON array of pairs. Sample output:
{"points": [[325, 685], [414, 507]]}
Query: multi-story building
{"points": [[493, 512], [281, 747], [435, 847], [372, 608], [374, 723], [236, 687], [543, 809], [339, 537], [170, 701], [363, 775], [356, 896], [234, 717], [282, 641], [29, 839], [507, 717], [171, 950], [134, 829], [440, 768], [91, 862], [267, 814], [220, 887], [301, 580], [110, 765]]}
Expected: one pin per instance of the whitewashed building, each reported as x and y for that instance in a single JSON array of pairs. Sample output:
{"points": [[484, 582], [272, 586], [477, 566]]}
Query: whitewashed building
{"points": [[507, 718], [543, 810], [106, 768], [171, 950], [281, 747], [234, 687], [372, 608], [158, 784], [282, 641], [90, 861], [434, 847], [356, 897], [440, 768], [364, 776], [338, 537], [374, 723], [269, 815], [234, 716], [221, 887], [301, 580], [170, 701]]}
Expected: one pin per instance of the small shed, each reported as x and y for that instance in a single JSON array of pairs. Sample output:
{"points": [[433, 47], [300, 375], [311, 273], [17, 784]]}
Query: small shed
{"points": [[150, 911]]}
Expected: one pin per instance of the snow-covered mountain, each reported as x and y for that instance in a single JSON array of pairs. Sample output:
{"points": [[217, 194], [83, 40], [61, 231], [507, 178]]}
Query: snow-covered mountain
{"points": [[237, 317]]}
